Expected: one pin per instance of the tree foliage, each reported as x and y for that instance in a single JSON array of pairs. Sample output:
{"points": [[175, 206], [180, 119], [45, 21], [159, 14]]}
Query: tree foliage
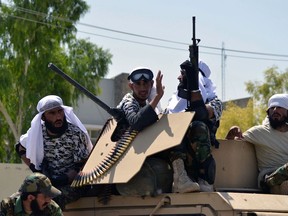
{"points": [[255, 112], [275, 82], [235, 115], [33, 34]]}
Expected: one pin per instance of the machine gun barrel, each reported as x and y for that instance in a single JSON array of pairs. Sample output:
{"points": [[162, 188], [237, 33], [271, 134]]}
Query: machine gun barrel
{"points": [[116, 113]]}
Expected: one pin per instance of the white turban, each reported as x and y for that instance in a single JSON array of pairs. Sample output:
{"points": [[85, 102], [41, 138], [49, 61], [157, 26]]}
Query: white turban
{"points": [[278, 100], [33, 139], [206, 87]]}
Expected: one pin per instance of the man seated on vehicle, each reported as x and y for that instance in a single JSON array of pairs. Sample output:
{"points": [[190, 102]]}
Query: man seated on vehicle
{"points": [[194, 153], [270, 140], [155, 176]]}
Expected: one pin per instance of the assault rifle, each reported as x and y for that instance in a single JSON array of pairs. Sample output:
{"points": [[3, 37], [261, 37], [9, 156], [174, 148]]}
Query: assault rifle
{"points": [[116, 113], [193, 56], [190, 80]]}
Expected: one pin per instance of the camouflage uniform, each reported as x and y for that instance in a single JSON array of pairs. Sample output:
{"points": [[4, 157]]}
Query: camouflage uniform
{"points": [[12, 206], [195, 149], [63, 153], [34, 183], [278, 177], [137, 116], [194, 93], [213, 123], [198, 135], [155, 173]]}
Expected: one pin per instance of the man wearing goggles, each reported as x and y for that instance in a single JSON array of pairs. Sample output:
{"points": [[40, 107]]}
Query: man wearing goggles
{"points": [[140, 74], [138, 111]]}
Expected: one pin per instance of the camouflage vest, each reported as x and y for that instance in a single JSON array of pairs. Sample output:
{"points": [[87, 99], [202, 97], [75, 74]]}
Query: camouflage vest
{"points": [[7, 206]]}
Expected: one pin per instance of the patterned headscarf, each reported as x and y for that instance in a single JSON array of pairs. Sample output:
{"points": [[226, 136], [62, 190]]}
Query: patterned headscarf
{"points": [[33, 139]]}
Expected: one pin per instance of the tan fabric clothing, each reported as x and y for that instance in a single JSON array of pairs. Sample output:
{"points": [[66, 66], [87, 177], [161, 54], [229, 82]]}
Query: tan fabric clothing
{"points": [[271, 146]]}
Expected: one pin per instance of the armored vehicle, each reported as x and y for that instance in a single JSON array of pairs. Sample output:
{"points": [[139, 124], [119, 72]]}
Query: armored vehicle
{"points": [[117, 162], [236, 191]]}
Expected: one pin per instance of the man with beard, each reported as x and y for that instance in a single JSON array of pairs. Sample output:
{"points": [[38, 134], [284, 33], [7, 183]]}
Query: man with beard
{"points": [[34, 198], [271, 144], [140, 109], [193, 164], [57, 144]]}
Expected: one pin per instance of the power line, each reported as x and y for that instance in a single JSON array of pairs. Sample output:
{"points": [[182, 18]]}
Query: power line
{"points": [[97, 27], [57, 26], [143, 36]]}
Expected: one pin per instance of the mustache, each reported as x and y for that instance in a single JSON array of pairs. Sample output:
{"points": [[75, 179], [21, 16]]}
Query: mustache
{"points": [[45, 204], [57, 130]]}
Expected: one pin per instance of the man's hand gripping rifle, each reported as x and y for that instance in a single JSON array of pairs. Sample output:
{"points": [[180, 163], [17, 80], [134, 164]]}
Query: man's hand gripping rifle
{"points": [[117, 114], [189, 87]]}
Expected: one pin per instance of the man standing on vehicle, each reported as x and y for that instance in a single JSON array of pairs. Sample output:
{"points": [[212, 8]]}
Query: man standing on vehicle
{"points": [[57, 144]]}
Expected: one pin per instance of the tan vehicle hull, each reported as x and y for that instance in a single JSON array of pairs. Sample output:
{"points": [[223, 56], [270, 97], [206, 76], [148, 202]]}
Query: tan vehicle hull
{"points": [[216, 203], [236, 191]]}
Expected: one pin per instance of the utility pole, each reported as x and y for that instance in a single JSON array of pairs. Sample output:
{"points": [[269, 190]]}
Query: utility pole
{"points": [[223, 65]]}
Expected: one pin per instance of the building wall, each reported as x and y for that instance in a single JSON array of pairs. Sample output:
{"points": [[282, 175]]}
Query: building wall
{"points": [[112, 92], [92, 115], [242, 102], [11, 178], [89, 112], [121, 86]]}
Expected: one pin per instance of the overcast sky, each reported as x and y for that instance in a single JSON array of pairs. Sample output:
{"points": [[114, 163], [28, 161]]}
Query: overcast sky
{"points": [[257, 26]]}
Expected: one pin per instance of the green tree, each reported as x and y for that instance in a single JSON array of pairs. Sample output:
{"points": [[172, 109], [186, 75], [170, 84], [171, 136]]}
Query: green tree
{"points": [[255, 112], [235, 115], [33, 34], [275, 82]]}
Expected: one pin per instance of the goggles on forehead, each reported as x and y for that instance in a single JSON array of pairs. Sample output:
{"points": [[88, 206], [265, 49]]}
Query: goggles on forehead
{"points": [[141, 74]]}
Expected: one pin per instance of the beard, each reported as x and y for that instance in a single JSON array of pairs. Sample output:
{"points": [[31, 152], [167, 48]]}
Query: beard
{"points": [[276, 123], [57, 130], [182, 88], [35, 208], [183, 83]]}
